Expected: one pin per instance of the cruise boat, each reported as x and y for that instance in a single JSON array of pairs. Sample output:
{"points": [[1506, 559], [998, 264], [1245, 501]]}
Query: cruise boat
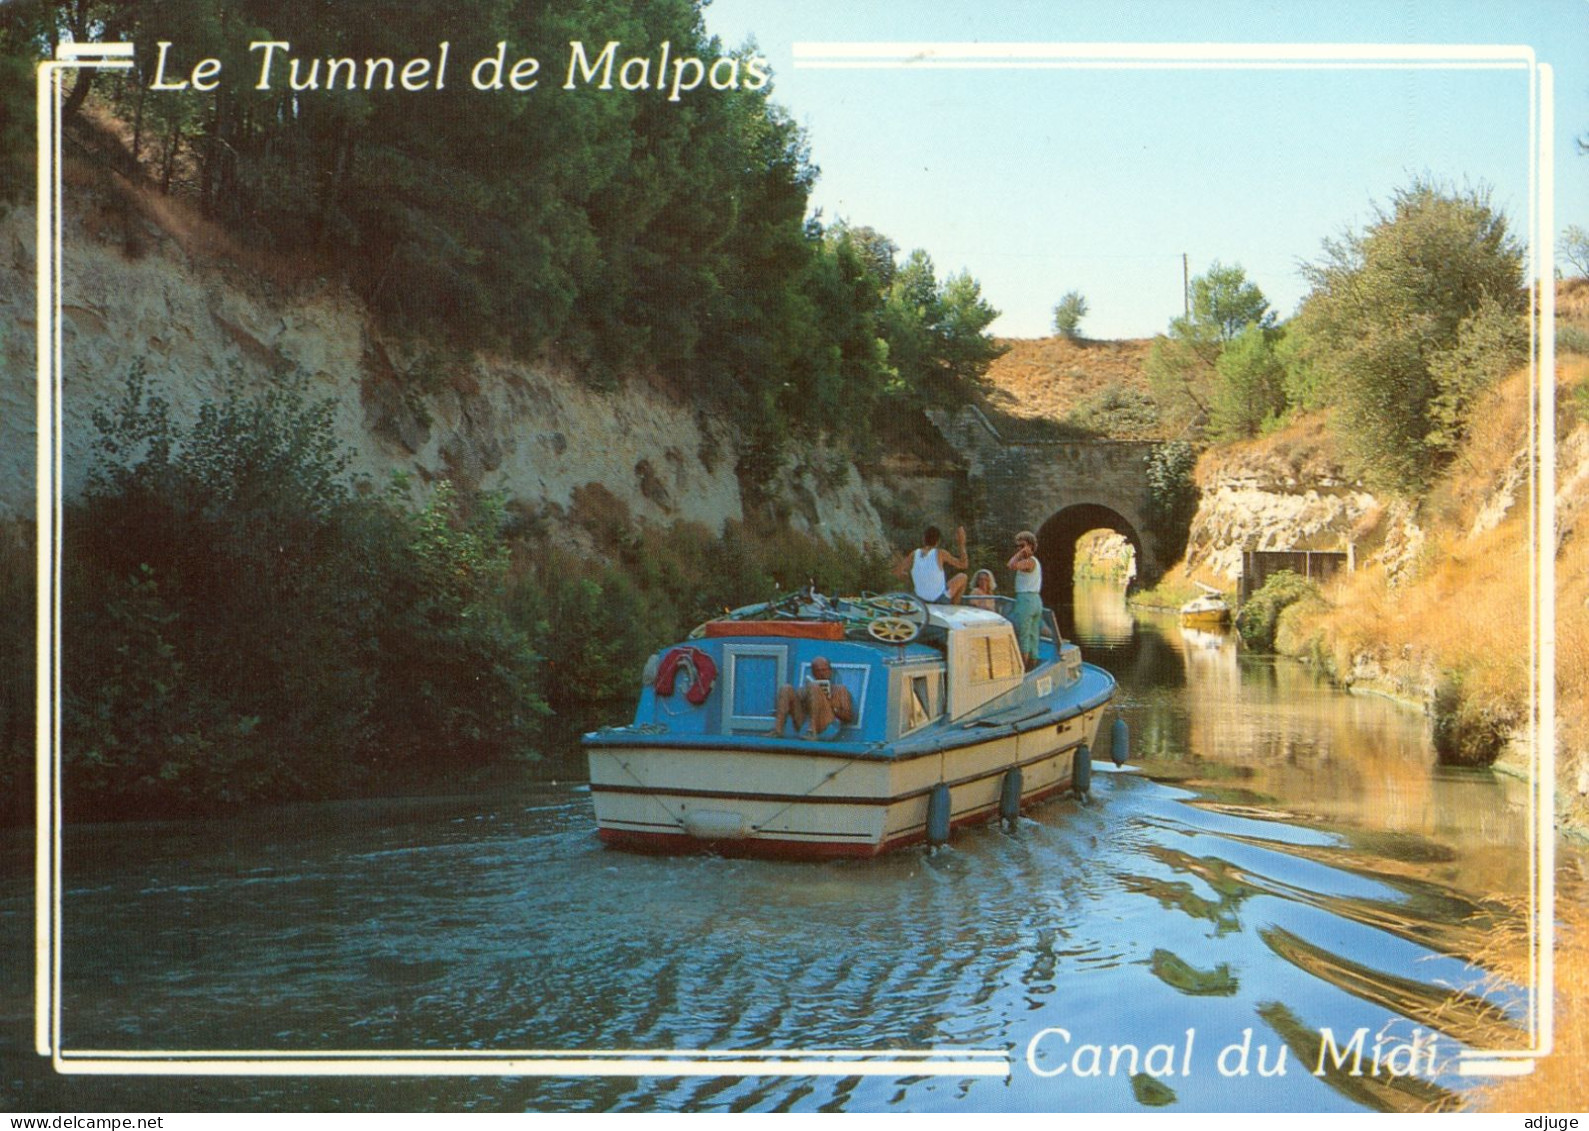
{"points": [[949, 730]]}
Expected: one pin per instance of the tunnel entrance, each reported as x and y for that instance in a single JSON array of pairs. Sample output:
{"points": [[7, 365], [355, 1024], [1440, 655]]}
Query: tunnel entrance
{"points": [[1056, 547]]}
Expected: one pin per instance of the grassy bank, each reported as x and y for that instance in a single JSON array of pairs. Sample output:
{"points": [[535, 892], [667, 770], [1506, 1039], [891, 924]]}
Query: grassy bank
{"points": [[1447, 628], [1455, 629], [1173, 590], [1450, 627], [1444, 622]]}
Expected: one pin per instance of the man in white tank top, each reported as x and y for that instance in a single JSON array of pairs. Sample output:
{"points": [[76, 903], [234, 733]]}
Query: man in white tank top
{"points": [[925, 568]]}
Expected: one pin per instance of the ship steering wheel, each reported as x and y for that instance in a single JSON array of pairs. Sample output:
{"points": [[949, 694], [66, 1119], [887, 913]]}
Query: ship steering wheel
{"points": [[904, 616], [893, 630]]}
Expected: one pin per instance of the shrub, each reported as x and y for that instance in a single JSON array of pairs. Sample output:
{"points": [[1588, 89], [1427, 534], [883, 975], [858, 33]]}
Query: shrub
{"points": [[1173, 495], [597, 621], [1117, 411], [1465, 732], [242, 625], [1259, 617], [595, 629]]}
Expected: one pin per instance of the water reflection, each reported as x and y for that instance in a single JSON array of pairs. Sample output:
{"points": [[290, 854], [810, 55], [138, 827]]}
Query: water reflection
{"points": [[1098, 615], [1280, 860], [1252, 730]]}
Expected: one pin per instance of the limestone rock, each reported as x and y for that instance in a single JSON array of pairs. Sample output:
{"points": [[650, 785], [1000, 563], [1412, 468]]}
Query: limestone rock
{"points": [[533, 431]]}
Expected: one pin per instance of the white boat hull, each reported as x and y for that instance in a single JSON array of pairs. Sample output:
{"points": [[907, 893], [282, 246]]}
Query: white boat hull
{"points": [[804, 799]]}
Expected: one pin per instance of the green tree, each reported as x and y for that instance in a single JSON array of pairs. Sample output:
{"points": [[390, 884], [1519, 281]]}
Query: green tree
{"points": [[965, 348], [877, 251], [619, 232], [1068, 314], [1182, 365], [1490, 342], [938, 345], [1180, 372], [1409, 316], [1306, 379], [1249, 395], [846, 301], [1224, 303], [27, 36]]}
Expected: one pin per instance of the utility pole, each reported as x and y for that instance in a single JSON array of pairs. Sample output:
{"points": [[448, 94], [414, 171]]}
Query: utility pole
{"points": [[1186, 286]]}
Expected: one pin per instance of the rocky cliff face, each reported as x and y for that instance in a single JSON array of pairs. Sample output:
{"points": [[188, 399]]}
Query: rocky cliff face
{"points": [[1291, 495], [201, 329]]}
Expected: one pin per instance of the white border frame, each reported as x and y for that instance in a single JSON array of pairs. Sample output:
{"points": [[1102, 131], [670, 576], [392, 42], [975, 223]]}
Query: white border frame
{"points": [[953, 1062]]}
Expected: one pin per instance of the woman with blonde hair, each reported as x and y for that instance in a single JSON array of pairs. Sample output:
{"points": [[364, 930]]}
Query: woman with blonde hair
{"points": [[983, 587]]}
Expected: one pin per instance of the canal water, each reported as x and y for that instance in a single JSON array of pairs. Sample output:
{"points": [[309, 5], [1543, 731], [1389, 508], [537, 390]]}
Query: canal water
{"points": [[1280, 874]]}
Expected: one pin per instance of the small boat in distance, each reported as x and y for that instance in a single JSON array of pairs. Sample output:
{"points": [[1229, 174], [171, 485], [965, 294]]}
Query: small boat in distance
{"points": [[1208, 610], [950, 729]]}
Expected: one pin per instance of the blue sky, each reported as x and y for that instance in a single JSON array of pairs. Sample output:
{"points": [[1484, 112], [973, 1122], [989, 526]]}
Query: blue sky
{"points": [[1040, 181]]}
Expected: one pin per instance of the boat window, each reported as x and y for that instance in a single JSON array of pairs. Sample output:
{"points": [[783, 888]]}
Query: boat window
{"points": [[754, 675], [1006, 657], [755, 685], [854, 677], [918, 706], [994, 657]]}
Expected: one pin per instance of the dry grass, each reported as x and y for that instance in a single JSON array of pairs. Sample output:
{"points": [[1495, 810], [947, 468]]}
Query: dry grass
{"points": [[1304, 449], [1043, 379], [1560, 1081], [1572, 590], [1468, 608], [1492, 453], [1572, 301], [1469, 612]]}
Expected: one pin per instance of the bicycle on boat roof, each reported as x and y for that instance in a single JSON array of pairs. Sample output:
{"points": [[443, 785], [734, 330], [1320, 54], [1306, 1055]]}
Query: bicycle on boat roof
{"points": [[892, 618]]}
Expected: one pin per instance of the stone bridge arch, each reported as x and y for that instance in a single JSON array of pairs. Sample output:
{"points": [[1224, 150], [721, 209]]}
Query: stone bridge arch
{"points": [[1058, 489], [1056, 545]]}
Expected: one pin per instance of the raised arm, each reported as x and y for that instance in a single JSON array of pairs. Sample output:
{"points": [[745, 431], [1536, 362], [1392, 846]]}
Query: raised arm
{"points": [[961, 561]]}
